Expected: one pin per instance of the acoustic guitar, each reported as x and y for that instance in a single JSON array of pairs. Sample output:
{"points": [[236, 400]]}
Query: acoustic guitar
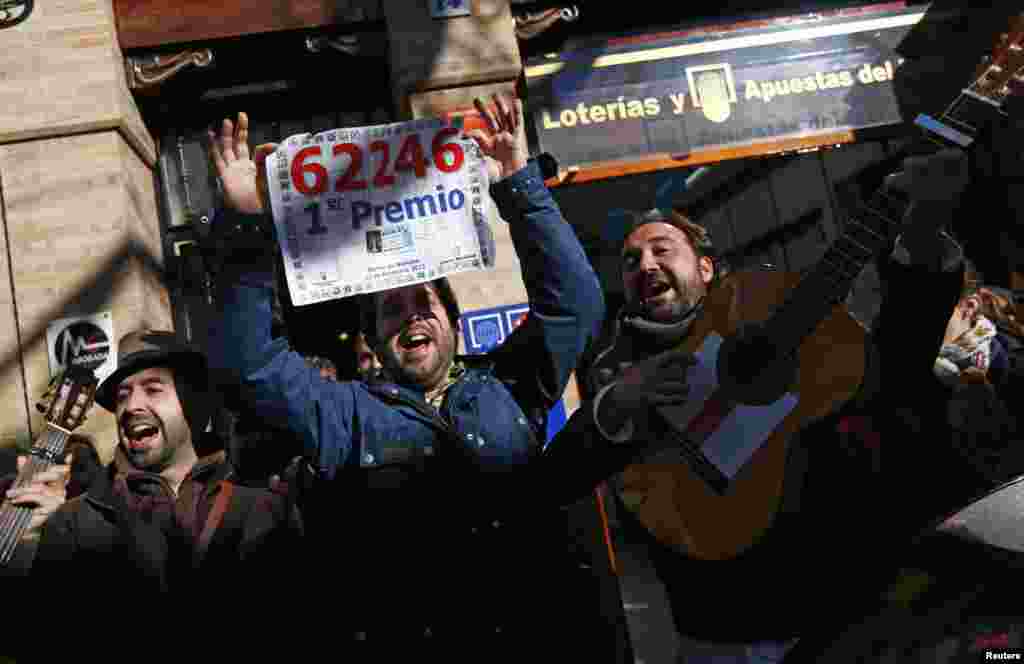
{"points": [[777, 351], [70, 396]]}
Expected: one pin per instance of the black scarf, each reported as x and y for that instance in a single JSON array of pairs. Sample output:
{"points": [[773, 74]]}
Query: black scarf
{"points": [[661, 336]]}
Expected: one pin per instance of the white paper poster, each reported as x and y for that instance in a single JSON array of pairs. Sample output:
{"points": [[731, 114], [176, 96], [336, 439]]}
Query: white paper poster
{"points": [[366, 209]]}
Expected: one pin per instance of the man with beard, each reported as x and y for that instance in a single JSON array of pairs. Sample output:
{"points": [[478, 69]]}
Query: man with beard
{"points": [[731, 610], [421, 498], [167, 518]]}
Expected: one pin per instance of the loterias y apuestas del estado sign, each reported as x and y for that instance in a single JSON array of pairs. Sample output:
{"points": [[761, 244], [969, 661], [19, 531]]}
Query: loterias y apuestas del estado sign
{"points": [[682, 94]]}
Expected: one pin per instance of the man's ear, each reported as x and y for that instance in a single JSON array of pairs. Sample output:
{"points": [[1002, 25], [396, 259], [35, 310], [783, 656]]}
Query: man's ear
{"points": [[457, 333], [707, 269]]}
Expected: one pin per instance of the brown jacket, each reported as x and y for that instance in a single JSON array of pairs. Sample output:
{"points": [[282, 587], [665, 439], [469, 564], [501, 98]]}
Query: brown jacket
{"points": [[132, 535]]}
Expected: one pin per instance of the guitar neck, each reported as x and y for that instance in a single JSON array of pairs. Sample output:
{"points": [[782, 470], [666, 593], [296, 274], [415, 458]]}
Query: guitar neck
{"points": [[45, 453], [869, 232], [872, 228], [14, 519], [962, 121]]}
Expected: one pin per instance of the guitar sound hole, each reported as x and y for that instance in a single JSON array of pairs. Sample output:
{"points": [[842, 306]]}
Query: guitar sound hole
{"points": [[753, 370]]}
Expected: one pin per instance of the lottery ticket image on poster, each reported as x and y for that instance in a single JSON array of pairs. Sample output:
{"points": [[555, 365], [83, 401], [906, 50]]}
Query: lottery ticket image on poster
{"points": [[365, 209]]}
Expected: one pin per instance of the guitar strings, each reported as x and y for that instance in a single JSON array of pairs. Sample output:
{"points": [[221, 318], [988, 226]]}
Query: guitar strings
{"points": [[20, 516], [973, 86], [15, 518], [840, 277]]}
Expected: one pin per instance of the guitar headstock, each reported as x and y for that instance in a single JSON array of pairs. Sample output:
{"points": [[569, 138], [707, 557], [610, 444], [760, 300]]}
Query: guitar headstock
{"points": [[1001, 74], [69, 397]]}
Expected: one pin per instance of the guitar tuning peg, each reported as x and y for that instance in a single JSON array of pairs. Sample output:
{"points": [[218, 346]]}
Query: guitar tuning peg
{"points": [[41, 408]]}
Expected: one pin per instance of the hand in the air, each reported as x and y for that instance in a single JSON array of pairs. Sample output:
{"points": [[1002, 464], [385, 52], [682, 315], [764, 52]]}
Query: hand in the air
{"points": [[243, 178], [504, 146], [46, 493]]}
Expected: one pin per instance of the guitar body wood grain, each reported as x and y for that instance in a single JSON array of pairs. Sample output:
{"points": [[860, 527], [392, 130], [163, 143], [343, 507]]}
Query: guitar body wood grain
{"points": [[673, 502]]}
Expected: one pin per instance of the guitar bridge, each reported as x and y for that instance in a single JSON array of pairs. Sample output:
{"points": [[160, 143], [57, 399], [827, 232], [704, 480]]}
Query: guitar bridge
{"points": [[700, 464]]}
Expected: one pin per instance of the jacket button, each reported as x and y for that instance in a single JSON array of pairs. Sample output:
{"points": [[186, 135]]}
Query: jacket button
{"points": [[470, 436], [496, 524], [522, 420], [368, 458]]}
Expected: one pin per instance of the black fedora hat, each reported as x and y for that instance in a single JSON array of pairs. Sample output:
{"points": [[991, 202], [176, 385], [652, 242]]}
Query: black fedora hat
{"points": [[144, 349]]}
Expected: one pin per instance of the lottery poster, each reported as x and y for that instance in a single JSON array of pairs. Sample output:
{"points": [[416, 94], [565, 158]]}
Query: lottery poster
{"points": [[485, 329], [366, 209]]}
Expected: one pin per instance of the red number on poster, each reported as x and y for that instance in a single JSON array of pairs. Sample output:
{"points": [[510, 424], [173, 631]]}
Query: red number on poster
{"points": [[410, 156], [382, 179], [448, 157], [349, 180], [299, 170], [440, 149]]}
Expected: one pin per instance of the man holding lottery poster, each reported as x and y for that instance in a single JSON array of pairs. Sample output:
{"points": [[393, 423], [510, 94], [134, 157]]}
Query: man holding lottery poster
{"points": [[417, 482]]}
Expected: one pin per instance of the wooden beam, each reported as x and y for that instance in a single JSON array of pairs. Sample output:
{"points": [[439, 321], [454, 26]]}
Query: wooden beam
{"points": [[152, 23]]}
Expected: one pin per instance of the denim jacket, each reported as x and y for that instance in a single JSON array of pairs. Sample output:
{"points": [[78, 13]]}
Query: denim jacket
{"points": [[497, 408]]}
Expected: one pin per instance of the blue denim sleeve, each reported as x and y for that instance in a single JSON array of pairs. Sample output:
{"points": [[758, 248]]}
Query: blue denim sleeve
{"points": [[276, 383], [566, 302]]}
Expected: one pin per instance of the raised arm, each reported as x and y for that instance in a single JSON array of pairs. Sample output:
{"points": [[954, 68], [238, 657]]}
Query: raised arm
{"points": [[566, 302], [275, 381]]}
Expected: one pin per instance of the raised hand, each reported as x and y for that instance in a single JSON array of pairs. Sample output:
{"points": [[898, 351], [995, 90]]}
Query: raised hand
{"points": [[504, 146], [243, 177], [46, 493]]}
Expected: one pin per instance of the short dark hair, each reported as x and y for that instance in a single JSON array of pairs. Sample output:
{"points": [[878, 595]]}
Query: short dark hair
{"points": [[698, 236], [368, 310]]}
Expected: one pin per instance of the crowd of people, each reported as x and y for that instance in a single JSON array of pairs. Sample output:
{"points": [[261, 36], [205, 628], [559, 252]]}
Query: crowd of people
{"points": [[419, 501]]}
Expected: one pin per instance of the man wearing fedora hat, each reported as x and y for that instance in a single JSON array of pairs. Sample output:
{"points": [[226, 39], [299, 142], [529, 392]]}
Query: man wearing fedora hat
{"points": [[167, 516]]}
